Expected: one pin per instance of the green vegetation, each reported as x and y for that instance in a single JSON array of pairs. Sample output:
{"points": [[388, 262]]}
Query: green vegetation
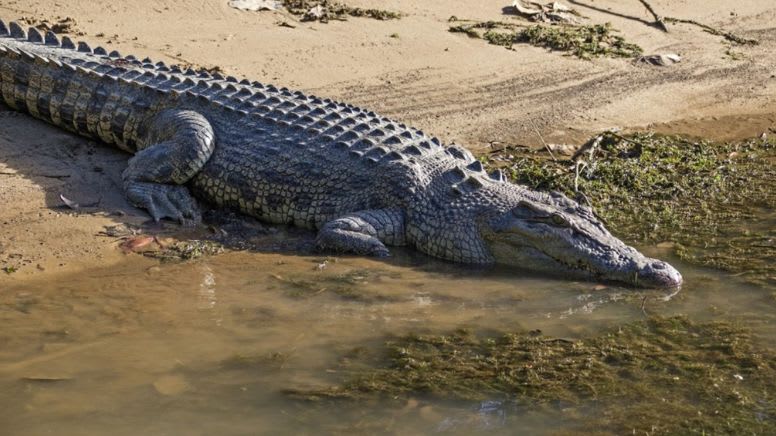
{"points": [[659, 376], [706, 199], [584, 42], [330, 10]]}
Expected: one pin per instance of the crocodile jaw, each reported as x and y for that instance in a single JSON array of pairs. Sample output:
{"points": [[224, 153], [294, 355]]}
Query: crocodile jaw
{"points": [[624, 264]]}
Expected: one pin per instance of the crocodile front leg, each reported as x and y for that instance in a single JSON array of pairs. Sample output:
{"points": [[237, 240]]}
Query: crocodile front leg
{"points": [[366, 232], [174, 146]]}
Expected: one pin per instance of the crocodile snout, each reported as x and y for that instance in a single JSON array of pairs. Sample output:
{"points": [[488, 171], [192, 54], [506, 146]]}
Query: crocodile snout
{"points": [[659, 274]]}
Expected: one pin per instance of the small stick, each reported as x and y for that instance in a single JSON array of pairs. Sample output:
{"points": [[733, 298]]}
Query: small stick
{"points": [[579, 163], [542, 139], [50, 176], [714, 31], [658, 19]]}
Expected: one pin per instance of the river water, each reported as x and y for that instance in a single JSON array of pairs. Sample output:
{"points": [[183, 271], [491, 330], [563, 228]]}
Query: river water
{"points": [[208, 347]]}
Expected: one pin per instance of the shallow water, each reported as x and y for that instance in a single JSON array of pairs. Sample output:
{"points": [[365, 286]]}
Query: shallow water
{"points": [[207, 347]]}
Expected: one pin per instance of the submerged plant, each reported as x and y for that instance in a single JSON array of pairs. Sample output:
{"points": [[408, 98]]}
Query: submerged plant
{"points": [[661, 376]]}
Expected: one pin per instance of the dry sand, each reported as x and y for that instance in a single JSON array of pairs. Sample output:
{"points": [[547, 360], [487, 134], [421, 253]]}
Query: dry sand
{"points": [[411, 69]]}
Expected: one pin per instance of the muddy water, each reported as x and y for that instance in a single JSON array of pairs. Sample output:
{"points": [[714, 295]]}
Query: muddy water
{"points": [[207, 347]]}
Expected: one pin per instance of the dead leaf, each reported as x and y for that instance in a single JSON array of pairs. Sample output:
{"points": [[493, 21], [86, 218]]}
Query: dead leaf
{"points": [[559, 7], [554, 12], [522, 9], [255, 5], [69, 203], [317, 13], [661, 60], [136, 243]]}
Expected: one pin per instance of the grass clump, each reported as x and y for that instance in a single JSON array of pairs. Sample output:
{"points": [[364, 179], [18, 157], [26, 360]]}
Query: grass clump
{"points": [[661, 376], [710, 200]]}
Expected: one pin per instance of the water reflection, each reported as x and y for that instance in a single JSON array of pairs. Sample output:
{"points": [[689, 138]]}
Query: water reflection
{"points": [[207, 288]]}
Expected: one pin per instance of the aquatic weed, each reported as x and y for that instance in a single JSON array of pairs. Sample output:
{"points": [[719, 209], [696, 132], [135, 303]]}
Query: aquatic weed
{"points": [[661, 375]]}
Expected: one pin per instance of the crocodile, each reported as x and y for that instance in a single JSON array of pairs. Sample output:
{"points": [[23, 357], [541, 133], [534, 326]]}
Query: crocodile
{"points": [[362, 181]]}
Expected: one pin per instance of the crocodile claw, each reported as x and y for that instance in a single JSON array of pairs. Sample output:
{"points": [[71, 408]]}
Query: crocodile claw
{"points": [[164, 201]]}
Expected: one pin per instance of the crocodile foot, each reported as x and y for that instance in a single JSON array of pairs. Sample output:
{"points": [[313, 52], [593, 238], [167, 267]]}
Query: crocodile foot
{"points": [[164, 201]]}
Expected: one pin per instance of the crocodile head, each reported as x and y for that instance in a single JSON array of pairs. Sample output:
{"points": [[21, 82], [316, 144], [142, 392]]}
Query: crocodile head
{"points": [[554, 234], [478, 220]]}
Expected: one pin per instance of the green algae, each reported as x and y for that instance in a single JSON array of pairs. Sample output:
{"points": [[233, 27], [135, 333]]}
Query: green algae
{"points": [[582, 41], [712, 203], [659, 376]]}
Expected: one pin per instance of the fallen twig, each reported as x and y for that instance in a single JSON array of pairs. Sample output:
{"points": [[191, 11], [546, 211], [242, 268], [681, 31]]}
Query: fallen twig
{"points": [[50, 176], [547, 147], [659, 23], [714, 31], [578, 164]]}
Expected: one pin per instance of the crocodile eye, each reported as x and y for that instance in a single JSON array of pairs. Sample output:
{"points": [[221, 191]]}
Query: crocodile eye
{"points": [[559, 220]]}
